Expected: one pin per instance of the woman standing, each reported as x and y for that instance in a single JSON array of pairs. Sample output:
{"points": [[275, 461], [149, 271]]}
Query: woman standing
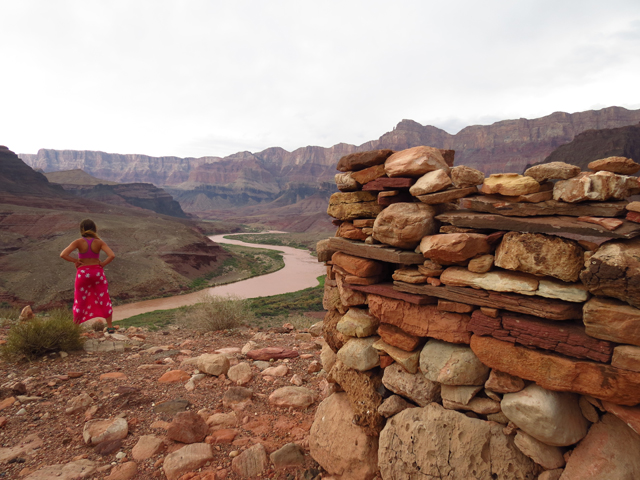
{"points": [[91, 294]]}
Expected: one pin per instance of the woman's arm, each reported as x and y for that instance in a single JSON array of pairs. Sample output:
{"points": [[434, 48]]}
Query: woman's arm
{"points": [[109, 252], [65, 254]]}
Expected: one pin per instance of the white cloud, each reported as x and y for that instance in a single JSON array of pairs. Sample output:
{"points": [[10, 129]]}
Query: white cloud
{"points": [[211, 78]]}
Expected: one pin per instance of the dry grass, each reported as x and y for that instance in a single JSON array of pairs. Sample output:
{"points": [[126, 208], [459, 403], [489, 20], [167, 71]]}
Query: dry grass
{"points": [[43, 335], [218, 313]]}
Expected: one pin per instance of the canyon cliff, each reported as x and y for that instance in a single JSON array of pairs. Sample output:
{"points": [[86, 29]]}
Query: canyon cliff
{"points": [[253, 186]]}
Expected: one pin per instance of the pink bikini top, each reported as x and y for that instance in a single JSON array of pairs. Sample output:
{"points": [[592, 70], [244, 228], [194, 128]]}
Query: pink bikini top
{"points": [[89, 253]]}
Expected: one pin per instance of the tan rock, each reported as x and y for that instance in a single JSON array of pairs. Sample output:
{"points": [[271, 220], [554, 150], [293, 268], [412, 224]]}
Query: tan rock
{"points": [[481, 264], [445, 444], [461, 394], [415, 162], [620, 165], [626, 357], [188, 459], [369, 174], [82, 468], [323, 250], [501, 382], [351, 205], [614, 270], [147, 447], [463, 176], [547, 456], [610, 450], [609, 319], [552, 171], [633, 207], [331, 299], [408, 360], [348, 296], [332, 336], [430, 268], [497, 281], [599, 186], [360, 267], [124, 471], [294, 397], [213, 364], [446, 249], [359, 354], [430, 182], [569, 292], [540, 255], [240, 374], [252, 462], [588, 410], [393, 405], [346, 183], [420, 320], [357, 322], [398, 338], [361, 160], [409, 275], [509, 184], [27, 446], [403, 225], [451, 364], [554, 418], [558, 373], [219, 421], [415, 387], [97, 431], [338, 445], [26, 314], [479, 405]]}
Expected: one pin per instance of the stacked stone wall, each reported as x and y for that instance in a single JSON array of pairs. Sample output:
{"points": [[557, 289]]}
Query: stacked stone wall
{"points": [[481, 327]]}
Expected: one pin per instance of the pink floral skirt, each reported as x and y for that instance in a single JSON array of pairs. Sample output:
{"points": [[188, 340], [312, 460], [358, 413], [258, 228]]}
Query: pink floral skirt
{"points": [[91, 295]]}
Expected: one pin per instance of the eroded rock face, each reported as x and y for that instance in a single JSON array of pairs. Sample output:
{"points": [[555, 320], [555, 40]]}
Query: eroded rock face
{"points": [[352, 205], [540, 255], [339, 446], [552, 171], [436, 443], [610, 450], [403, 225], [599, 186], [614, 271], [415, 162]]}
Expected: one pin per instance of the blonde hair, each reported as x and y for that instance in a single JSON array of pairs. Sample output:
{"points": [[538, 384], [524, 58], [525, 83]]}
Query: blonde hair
{"points": [[88, 229]]}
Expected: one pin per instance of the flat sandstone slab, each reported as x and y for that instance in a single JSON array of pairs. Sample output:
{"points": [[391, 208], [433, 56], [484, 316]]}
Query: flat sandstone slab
{"points": [[556, 225], [560, 374], [376, 252], [490, 204], [537, 306]]}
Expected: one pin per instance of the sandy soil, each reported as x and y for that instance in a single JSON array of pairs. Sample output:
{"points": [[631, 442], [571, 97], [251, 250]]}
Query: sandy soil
{"points": [[55, 380]]}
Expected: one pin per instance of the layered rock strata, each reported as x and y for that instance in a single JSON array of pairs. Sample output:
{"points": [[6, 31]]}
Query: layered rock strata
{"points": [[504, 324]]}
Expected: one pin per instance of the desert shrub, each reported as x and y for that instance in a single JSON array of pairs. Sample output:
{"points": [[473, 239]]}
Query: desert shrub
{"points": [[8, 313], [43, 335], [218, 313], [98, 326]]}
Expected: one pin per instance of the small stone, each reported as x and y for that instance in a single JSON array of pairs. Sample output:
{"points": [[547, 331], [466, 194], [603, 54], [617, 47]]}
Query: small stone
{"points": [[345, 182], [626, 357], [459, 394], [171, 406], [147, 447], [544, 455], [250, 463], [358, 353], [174, 376], [279, 371], [237, 398], [296, 397], [415, 387], [96, 431], [289, 455], [501, 382], [452, 364], [430, 182], [187, 427], [213, 364], [393, 405], [481, 264], [357, 322], [269, 353], [240, 374], [78, 403], [126, 471], [464, 177], [296, 380], [187, 459]]}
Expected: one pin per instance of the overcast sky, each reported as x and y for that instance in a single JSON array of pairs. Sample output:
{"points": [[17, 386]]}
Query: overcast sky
{"points": [[195, 78]]}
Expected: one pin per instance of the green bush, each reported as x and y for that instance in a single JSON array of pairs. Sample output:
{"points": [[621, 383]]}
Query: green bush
{"points": [[42, 335], [218, 313]]}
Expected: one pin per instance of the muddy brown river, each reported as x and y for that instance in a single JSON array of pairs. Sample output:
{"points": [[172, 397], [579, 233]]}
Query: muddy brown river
{"points": [[300, 271]]}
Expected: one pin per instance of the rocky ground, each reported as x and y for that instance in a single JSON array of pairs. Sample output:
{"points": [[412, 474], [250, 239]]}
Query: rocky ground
{"points": [[50, 406]]}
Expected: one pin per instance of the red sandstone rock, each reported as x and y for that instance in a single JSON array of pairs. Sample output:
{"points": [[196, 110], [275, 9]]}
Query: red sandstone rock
{"points": [[362, 160], [415, 162], [562, 337], [397, 337], [620, 165], [360, 267], [454, 307], [609, 223], [268, 353], [559, 373], [347, 230], [454, 247], [384, 183], [633, 217], [369, 174], [187, 427], [421, 320]]}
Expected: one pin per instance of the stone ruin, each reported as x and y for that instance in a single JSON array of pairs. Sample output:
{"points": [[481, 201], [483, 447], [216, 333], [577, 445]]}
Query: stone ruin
{"points": [[487, 332]]}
